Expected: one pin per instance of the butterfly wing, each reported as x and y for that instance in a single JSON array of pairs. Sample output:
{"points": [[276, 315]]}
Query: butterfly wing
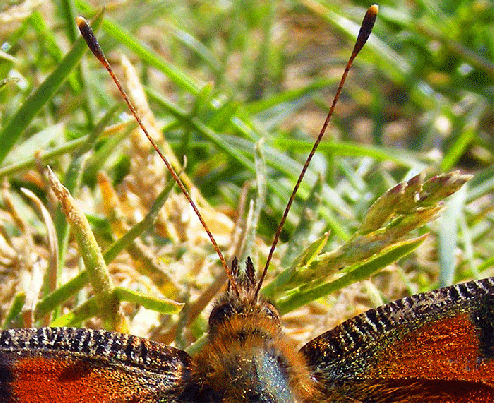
{"points": [[80, 365], [432, 347]]}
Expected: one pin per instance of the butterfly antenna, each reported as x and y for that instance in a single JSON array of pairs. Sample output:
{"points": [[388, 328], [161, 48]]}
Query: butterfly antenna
{"points": [[88, 35], [363, 35]]}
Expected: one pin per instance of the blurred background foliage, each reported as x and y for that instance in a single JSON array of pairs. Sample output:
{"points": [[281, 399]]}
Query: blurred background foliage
{"points": [[222, 75]]}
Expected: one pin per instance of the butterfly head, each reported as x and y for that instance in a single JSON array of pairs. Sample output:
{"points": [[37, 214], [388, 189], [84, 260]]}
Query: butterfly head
{"points": [[246, 343], [241, 301]]}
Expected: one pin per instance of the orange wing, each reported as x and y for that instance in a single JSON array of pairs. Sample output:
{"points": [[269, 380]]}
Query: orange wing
{"points": [[80, 365], [432, 347]]}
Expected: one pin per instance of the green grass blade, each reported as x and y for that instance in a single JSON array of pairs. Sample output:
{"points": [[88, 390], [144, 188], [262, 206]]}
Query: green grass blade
{"points": [[23, 117]]}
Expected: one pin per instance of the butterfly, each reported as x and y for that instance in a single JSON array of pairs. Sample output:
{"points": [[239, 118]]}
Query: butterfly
{"points": [[431, 347]]}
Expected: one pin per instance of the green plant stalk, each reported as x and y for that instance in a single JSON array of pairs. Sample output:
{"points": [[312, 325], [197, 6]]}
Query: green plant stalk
{"points": [[141, 226], [485, 265], [260, 164], [162, 305], [61, 294], [465, 138], [447, 236], [367, 269], [44, 157], [302, 233], [87, 310], [74, 285], [72, 181], [305, 258], [15, 309], [345, 148], [94, 262]]}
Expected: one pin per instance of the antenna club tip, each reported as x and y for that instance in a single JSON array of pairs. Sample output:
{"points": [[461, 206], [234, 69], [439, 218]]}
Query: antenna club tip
{"points": [[80, 21], [88, 35], [374, 9]]}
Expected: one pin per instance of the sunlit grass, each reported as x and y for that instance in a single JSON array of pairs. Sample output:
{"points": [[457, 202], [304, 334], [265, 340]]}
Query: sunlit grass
{"points": [[220, 77]]}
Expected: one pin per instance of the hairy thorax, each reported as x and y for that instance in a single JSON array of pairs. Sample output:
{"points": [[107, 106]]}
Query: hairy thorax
{"points": [[248, 358]]}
